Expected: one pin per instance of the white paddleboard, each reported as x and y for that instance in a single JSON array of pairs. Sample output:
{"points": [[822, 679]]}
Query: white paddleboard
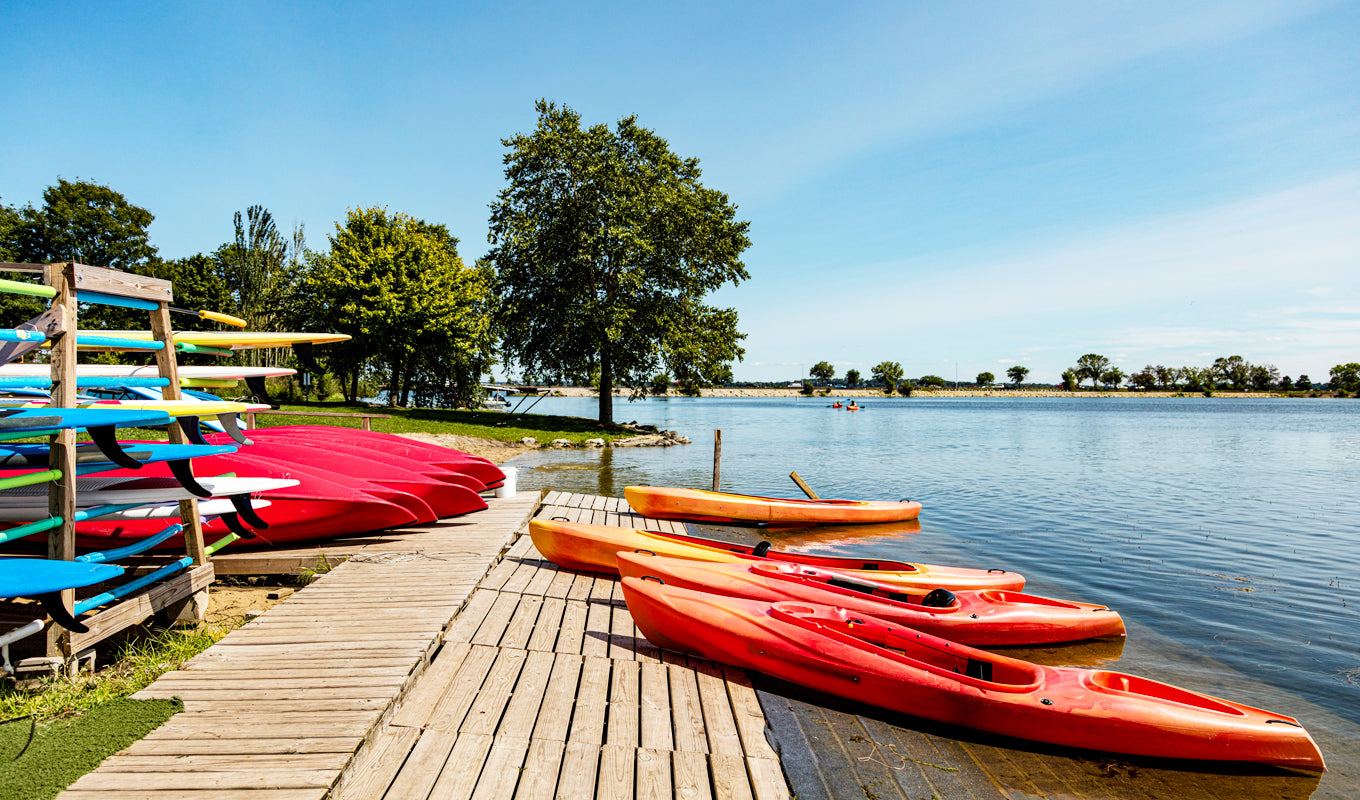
{"points": [[133, 371], [96, 491]]}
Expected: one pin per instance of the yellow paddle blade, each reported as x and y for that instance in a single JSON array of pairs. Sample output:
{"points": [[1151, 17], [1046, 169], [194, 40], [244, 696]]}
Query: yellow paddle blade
{"points": [[226, 319]]}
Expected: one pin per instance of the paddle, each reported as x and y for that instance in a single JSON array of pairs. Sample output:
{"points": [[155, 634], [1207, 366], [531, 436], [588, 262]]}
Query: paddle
{"points": [[149, 305]]}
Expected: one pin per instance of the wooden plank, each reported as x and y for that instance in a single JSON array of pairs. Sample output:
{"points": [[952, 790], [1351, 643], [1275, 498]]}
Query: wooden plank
{"points": [[623, 704], [521, 626], [615, 781], [750, 719], [470, 616], [315, 793], [548, 625], [587, 722], [497, 619], [561, 584], [543, 578], [718, 718], [767, 780], [581, 586], [292, 744], [378, 764], [416, 705], [621, 632], [484, 716], [730, 781], [580, 761], [555, 712], [595, 641], [686, 712], [453, 705], [464, 767], [538, 781], [501, 772], [133, 610], [170, 781], [224, 763], [653, 775], [654, 698], [423, 766], [689, 771], [530, 692]]}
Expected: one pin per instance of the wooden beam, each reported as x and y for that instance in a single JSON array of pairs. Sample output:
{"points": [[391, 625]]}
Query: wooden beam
{"points": [[123, 284], [132, 611], [61, 454]]}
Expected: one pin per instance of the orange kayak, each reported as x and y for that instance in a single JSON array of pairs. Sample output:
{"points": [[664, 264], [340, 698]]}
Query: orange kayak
{"points": [[664, 502], [594, 548], [988, 617], [868, 660]]}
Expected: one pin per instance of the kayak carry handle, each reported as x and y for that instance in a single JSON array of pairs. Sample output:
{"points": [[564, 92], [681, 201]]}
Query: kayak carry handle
{"points": [[663, 583], [645, 552], [564, 519], [994, 569], [1283, 722], [761, 549]]}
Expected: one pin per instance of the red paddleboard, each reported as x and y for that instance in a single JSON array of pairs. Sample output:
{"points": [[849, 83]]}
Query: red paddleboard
{"points": [[480, 468], [317, 508], [445, 499]]}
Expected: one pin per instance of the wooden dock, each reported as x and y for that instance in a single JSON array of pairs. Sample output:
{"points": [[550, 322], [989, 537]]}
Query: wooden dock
{"points": [[451, 667]]}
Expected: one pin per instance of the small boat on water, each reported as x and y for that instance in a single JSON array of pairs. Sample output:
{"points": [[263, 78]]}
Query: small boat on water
{"points": [[862, 658], [983, 618], [595, 548], [665, 502]]}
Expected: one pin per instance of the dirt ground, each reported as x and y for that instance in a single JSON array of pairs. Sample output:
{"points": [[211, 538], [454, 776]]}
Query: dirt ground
{"points": [[486, 448], [230, 600]]}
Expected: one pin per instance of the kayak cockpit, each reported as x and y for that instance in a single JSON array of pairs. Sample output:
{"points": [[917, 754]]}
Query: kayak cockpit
{"points": [[1118, 682]]}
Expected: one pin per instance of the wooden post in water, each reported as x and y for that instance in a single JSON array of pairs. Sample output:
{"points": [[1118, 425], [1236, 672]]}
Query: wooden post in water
{"points": [[807, 490], [717, 459]]}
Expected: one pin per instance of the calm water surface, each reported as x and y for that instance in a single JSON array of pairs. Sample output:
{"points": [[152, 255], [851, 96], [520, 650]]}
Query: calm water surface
{"points": [[1227, 532]]}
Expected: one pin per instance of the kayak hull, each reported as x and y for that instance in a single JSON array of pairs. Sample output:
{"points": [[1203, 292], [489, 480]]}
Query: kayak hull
{"points": [[987, 618], [594, 548], [849, 655], [664, 502], [447, 458]]}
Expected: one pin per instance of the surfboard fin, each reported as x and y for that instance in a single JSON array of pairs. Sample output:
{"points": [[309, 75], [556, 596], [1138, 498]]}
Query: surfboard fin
{"points": [[185, 475], [107, 442], [247, 511], [233, 430], [233, 523], [190, 427], [56, 609]]}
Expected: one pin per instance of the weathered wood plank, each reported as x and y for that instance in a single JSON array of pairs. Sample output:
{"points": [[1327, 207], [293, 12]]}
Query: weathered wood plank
{"points": [[423, 766], [571, 634], [539, 778], [587, 722], [453, 705], [494, 694], [580, 761], [689, 771], [655, 701], [379, 764], [463, 768], [615, 779], [501, 772], [653, 775], [686, 711], [521, 715], [719, 723], [555, 713]]}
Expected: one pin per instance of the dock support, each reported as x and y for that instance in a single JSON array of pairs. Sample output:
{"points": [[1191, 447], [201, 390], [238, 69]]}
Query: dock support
{"points": [[717, 459]]}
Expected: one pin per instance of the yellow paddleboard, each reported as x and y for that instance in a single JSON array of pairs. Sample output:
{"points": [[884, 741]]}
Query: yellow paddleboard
{"points": [[174, 408], [226, 340]]}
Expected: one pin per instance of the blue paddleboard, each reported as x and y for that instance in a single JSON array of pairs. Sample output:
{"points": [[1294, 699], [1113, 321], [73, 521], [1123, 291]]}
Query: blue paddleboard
{"points": [[90, 458], [30, 577], [42, 418]]}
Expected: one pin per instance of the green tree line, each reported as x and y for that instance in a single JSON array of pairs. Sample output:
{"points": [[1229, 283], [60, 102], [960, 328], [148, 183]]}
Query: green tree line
{"points": [[604, 245]]}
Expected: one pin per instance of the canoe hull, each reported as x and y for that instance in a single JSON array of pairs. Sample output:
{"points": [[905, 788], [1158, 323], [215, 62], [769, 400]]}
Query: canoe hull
{"points": [[841, 654], [981, 618], [594, 548], [663, 502]]}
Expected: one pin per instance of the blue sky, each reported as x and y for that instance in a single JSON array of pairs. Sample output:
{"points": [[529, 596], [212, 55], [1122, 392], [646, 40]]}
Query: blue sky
{"points": [[957, 187]]}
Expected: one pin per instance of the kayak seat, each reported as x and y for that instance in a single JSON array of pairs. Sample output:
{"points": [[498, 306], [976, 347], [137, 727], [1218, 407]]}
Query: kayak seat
{"points": [[854, 586], [982, 670], [939, 598], [761, 549]]}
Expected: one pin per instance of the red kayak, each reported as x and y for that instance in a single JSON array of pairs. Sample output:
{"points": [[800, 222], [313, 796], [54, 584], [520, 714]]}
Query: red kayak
{"points": [[446, 457], [445, 499], [868, 660], [989, 617], [320, 507]]}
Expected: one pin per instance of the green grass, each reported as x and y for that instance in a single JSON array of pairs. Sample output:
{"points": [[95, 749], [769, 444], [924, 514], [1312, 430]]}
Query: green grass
{"points": [[135, 665], [63, 750], [483, 424]]}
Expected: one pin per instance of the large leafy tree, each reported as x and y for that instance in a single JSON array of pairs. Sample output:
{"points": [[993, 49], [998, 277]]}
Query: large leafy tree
{"points": [[887, 373], [417, 314], [1017, 374], [1092, 365], [823, 371], [86, 222], [605, 243]]}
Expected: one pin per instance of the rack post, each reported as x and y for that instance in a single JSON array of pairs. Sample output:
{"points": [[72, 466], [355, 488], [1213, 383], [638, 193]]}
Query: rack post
{"points": [[61, 454], [195, 608]]}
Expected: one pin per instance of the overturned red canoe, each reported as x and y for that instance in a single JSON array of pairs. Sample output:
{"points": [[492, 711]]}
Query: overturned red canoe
{"points": [[446, 457], [866, 659], [317, 508], [446, 499]]}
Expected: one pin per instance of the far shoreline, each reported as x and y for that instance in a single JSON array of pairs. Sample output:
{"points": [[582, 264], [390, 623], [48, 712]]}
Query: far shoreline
{"points": [[916, 394]]}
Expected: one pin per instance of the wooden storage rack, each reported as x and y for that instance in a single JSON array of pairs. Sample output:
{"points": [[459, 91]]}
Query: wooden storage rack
{"points": [[185, 595]]}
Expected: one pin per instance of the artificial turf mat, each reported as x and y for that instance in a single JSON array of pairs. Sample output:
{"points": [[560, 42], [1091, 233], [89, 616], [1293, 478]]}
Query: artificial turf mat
{"points": [[65, 749]]}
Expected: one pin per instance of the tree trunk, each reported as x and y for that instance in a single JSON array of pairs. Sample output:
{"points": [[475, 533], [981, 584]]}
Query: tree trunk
{"points": [[606, 390], [354, 386]]}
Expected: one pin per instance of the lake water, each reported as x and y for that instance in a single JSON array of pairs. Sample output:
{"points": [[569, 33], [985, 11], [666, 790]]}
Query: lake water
{"points": [[1227, 532]]}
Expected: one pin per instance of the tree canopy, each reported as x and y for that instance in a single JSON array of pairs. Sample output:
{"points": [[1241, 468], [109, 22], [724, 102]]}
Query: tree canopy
{"points": [[887, 373], [397, 285], [1017, 374], [604, 244], [823, 371], [1092, 365], [985, 379]]}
